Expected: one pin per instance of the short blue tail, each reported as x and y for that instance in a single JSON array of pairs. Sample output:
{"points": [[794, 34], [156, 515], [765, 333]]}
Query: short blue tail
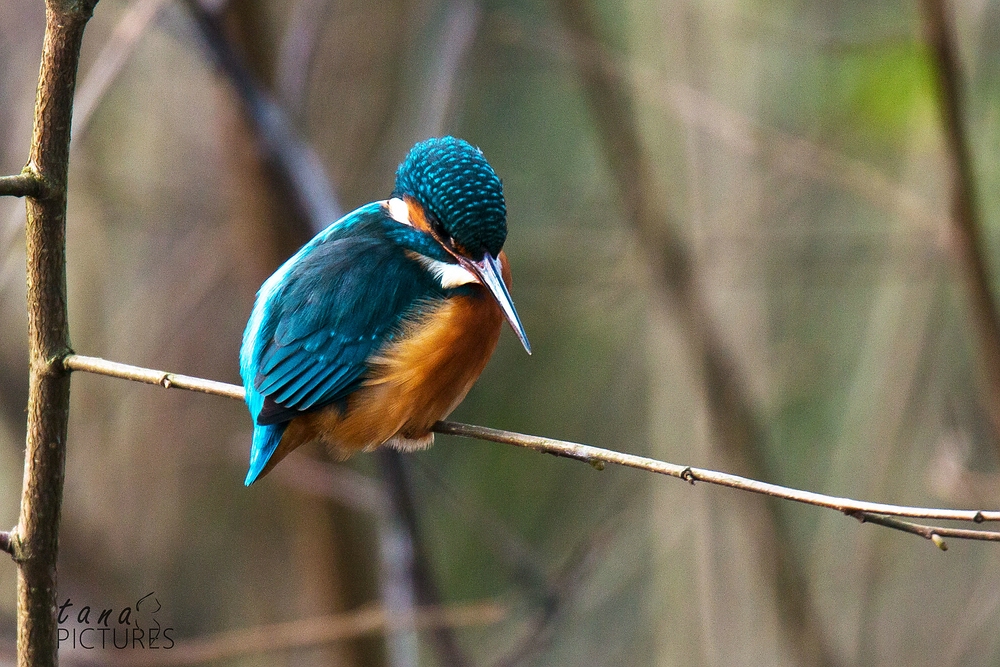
{"points": [[265, 441]]}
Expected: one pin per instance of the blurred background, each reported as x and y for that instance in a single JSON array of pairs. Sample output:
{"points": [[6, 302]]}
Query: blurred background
{"points": [[733, 246]]}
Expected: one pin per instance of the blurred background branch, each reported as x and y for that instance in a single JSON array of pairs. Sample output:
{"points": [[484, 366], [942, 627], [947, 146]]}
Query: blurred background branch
{"points": [[270, 639], [967, 224], [736, 427], [297, 166]]}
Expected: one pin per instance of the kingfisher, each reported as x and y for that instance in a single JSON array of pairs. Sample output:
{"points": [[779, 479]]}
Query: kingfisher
{"points": [[379, 326]]}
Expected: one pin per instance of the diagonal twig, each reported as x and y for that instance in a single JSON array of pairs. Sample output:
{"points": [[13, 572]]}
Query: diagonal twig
{"points": [[595, 456], [297, 163], [932, 533]]}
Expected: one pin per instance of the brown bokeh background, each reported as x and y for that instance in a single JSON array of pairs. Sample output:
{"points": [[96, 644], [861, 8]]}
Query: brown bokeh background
{"points": [[731, 247]]}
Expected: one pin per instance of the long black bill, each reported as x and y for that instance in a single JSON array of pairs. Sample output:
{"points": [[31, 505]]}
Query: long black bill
{"points": [[489, 274]]}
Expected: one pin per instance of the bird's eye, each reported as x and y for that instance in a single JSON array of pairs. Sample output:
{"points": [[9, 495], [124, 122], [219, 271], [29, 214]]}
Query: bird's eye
{"points": [[438, 229]]}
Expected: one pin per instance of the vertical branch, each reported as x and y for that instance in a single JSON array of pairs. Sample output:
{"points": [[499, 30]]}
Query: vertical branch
{"points": [[36, 539], [965, 214]]}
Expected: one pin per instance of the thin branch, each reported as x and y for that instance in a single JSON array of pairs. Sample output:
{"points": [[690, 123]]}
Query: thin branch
{"points": [[310, 632], [967, 222], [76, 362], [37, 545], [25, 184], [932, 533], [595, 456], [690, 474], [927, 532]]}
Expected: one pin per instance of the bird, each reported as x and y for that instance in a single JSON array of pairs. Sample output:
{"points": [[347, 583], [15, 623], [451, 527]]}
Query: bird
{"points": [[379, 326]]}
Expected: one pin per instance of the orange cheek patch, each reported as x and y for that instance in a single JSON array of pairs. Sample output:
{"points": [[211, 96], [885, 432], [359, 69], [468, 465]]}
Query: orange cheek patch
{"points": [[418, 218]]}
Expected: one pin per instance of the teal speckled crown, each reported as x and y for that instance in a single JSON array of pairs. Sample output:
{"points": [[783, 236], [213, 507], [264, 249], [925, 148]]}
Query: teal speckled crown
{"points": [[458, 188]]}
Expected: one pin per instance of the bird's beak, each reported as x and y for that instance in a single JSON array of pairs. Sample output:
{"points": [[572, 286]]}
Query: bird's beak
{"points": [[488, 272]]}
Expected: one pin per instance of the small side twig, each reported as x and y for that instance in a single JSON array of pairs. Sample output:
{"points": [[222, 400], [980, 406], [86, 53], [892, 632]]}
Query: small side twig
{"points": [[935, 534], [7, 542], [25, 184], [588, 453]]}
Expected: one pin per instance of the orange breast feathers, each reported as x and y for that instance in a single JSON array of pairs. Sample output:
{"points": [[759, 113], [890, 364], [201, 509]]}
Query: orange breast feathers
{"points": [[412, 383]]}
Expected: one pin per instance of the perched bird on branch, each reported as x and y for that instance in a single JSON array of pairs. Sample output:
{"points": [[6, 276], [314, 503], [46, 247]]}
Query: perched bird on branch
{"points": [[380, 325]]}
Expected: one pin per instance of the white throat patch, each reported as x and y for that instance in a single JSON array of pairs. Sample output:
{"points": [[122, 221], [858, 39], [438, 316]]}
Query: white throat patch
{"points": [[449, 275]]}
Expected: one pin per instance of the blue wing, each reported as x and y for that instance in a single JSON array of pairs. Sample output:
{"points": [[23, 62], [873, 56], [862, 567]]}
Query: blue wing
{"points": [[320, 317]]}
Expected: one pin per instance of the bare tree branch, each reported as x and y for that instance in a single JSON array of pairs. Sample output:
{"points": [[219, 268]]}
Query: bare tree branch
{"points": [[966, 218], [76, 362], [25, 184], [932, 533], [35, 541], [595, 456]]}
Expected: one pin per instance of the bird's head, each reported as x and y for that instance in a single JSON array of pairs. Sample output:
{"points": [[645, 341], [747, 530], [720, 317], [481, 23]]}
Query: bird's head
{"points": [[452, 193]]}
